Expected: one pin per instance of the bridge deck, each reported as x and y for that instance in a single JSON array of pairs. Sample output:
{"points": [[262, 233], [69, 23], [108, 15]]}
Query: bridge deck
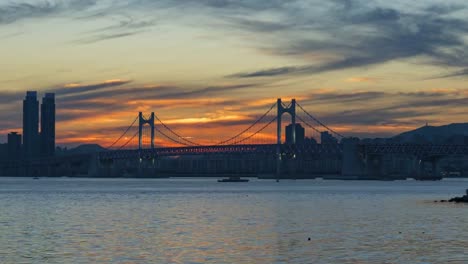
{"points": [[235, 149]]}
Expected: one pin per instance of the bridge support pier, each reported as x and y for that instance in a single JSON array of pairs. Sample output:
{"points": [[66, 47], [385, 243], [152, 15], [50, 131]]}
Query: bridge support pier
{"points": [[352, 162], [434, 173], [374, 166], [93, 165], [107, 165]]}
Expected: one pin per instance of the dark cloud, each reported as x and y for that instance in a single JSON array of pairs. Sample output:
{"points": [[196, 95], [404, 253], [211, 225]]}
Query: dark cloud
{"points": [[7, 97], [101, 37], [79, 88], [204, 91], [429, 94], [12, 12], [221, 5], [259, 25], [359, 33], [365, 35], [128, 93], [126, 25], [127, 22], [272, 72], [446, 103], [386, 108], [460, 73], [219, 123], [348, 97], [369, 96], [446, 9], [154, 93], [379, 116]]}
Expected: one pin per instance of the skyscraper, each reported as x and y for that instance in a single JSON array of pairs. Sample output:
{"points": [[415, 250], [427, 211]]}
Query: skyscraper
{"points": [[31, 125], [48, 125], [300, 134]]}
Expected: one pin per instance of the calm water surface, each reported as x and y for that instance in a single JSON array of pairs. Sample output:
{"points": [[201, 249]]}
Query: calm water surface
{"points": [[202, 221]]}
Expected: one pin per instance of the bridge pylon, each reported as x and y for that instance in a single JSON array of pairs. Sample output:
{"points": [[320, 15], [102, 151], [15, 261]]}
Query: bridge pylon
{"points": [[141, 122], [291, 110]]}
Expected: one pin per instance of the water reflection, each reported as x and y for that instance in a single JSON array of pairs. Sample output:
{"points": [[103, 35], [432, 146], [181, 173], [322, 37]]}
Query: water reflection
{"points": [[201, 221]]}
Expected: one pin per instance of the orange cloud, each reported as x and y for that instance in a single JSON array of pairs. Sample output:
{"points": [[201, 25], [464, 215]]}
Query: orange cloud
{"points": [[361, 79], [106, 82]]}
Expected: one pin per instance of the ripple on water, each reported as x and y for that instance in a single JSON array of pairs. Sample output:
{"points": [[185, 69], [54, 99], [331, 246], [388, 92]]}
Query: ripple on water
{"points": [[200, 221]]}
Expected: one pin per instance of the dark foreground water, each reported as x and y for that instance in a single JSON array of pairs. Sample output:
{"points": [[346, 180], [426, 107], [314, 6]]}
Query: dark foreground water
{"points": [[202, 221]]}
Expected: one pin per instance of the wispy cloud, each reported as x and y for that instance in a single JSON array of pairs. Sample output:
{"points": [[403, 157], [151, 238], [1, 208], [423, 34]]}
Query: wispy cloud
{"points": [[361, 80], [101, 37], [123, 26], [74, 88], [356, 33], [460, 73], [15, 11], [361, 34]]}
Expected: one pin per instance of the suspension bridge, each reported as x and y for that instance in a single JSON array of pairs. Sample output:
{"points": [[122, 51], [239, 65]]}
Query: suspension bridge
{"points": [[152, 135], [308, 146], [148, 138]]}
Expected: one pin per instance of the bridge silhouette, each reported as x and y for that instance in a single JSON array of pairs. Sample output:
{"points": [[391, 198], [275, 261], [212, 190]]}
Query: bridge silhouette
{"points": [[150, 138], [139, 139], [143, 132]]}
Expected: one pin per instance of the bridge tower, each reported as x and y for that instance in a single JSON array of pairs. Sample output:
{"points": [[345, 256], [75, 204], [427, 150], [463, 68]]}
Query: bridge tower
{"points": [[141, 122], [291, 109]]}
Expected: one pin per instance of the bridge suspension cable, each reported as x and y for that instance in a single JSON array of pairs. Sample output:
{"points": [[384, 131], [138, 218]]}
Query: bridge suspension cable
{"points": [[128, 141], [307, 124], [247, 129], [175, 133], [171, 139], [319, 122], [121, 136], [257, 132]]}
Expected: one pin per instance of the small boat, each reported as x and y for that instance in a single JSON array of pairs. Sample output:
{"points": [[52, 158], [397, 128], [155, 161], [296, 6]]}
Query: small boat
{"points": [[233, 179], [35, 178]]}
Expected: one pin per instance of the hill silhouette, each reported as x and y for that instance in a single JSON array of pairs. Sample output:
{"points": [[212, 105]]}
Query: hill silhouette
{"points": [[87, 148], [447, 134]]}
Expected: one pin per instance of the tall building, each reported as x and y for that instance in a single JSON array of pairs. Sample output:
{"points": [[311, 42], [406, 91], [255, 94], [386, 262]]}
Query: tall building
{"points": [[48, 125], [14, 146], [31, 125], [300, 134]]}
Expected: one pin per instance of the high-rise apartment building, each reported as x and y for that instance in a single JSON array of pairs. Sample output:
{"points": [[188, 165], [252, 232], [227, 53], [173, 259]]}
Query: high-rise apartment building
{"points": [[14, 146], [48, 125], [31, 125], [300, 134]]}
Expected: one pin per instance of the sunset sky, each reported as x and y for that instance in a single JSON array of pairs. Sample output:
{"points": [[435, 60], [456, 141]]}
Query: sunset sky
{"points": [[365, 68]]}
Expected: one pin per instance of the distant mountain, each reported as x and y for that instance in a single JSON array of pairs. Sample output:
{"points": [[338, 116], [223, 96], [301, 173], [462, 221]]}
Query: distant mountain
{"points": [[453, 133], [86, 148]]}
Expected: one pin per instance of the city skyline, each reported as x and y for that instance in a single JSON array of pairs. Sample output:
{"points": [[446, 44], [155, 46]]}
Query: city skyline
{"points": [[366, 70]]}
